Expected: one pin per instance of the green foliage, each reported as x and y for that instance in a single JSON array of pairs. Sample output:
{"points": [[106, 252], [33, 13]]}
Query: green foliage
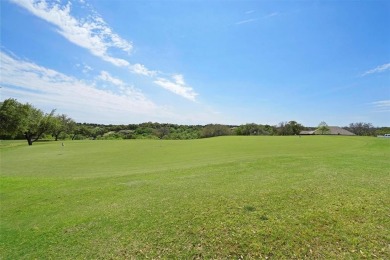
{"points": [[17, 118], [97, 132], [141, 131], [382, 131], [215, 130], [184, 132], [126, 134], [254, 129], [254, 197], [162, 132], [362, 129], [62, 124], [290, 128], [24, 120], [13, 117], [323, 128]]}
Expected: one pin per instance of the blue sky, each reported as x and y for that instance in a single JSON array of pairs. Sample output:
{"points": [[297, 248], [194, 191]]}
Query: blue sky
{"points": [[199, 62]]}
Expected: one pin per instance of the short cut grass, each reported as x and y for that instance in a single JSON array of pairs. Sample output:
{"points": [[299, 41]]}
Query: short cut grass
{"points": [[227, 197]]}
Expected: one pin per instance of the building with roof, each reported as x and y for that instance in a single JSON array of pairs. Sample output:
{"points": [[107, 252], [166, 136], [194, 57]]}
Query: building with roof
{"points": [[333, 130]]}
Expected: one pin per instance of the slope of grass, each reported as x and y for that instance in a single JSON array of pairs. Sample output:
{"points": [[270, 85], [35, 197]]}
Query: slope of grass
{"points": [[255, 197]]}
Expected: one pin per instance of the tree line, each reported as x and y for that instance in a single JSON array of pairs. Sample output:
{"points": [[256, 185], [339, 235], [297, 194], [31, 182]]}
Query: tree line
{"points": [[24, 121]]}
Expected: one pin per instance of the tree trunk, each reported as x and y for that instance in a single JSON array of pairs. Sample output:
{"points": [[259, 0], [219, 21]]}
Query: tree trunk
{"points": [[28, 138]]}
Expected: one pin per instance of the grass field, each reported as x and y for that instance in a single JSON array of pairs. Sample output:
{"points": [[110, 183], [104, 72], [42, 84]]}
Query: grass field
{"points": [[227, 197]]}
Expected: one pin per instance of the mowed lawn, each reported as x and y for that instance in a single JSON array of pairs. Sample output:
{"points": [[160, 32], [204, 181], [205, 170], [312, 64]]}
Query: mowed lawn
{"points": [[227, 197]]}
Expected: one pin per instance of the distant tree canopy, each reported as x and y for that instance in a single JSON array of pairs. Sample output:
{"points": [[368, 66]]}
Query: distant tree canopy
{"points": [[361, 128], [254, 129], [19, 121], [215, 130], [382, 131], [289, 128], [162, 132]]}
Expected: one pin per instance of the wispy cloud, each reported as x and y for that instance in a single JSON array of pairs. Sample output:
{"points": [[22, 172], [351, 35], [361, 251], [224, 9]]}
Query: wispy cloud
{"points": [[122, 87], [142, 70], [105, 76], [84, 68], [177, 86], [246, 21], [382, 105], [271, 15], [37, 84], [379, 69], [250, 12], [92, 34], [97, 37]]}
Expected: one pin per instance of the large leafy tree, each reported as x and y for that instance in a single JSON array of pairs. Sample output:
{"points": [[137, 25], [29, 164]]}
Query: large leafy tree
{"points": [[61, 124], [17, 118]]}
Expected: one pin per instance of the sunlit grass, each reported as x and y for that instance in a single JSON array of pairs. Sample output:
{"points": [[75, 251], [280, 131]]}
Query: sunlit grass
{"points": [[255, 197]]}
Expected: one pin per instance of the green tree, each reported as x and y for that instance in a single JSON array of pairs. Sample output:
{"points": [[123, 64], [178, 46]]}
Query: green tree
{"points": [[290, 128], [12, 114], [295, 127], [323, 128], [17, 118], [61, 124], [284, 129]]}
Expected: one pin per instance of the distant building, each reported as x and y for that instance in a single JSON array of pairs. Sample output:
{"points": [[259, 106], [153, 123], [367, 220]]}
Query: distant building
{"points": [[307, 132], [333, 130]]}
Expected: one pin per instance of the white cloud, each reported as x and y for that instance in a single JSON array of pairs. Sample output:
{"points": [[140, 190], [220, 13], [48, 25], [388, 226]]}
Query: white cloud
{"points": [[105, 76], [84, 68], [92, 34], [37, 85], [177, 86], [142, 70], [123, 88], [379, 69], [96, 36], [382, 105], [116, 61]]}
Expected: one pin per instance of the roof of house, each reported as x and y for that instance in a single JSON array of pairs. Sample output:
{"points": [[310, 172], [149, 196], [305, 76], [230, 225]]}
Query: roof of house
{"points": [[335, 130], [306, 132]]}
